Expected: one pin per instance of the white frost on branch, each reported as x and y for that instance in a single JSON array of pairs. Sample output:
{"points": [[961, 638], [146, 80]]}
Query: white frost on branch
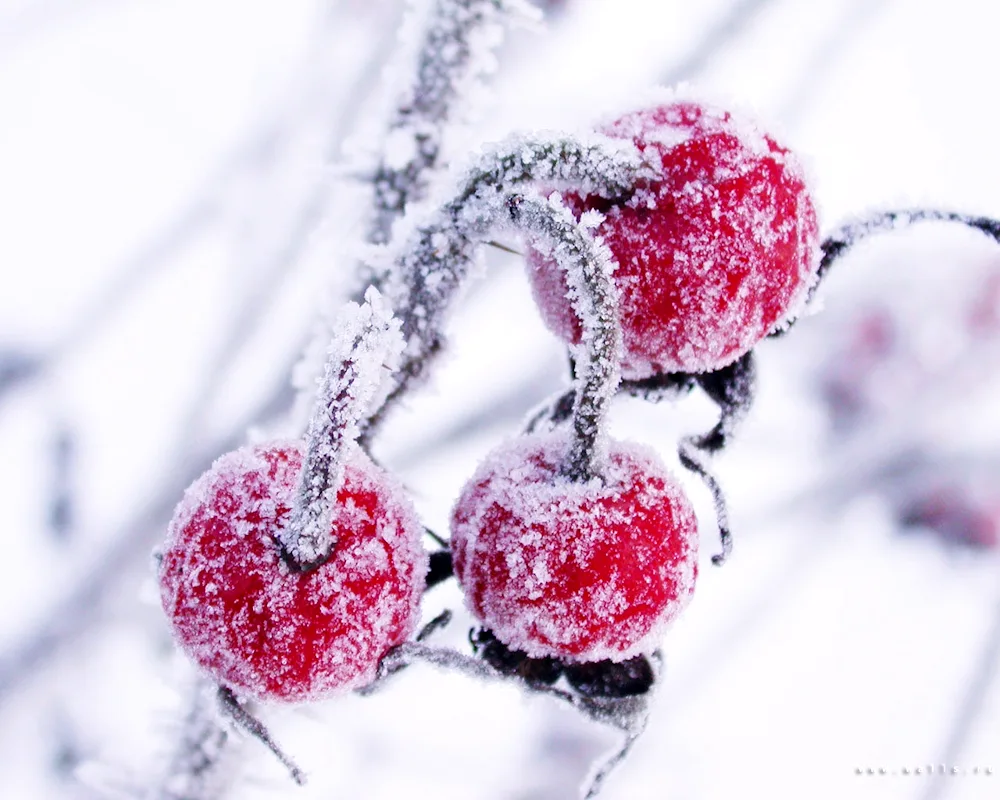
{"points": [[455, 56], [203, 763], [435, 257], [588, 266], [365, 350]]}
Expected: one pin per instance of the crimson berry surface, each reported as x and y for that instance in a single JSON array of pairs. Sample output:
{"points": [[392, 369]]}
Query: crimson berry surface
{"points": [[581, 571], [711, 257], [258, 625]]}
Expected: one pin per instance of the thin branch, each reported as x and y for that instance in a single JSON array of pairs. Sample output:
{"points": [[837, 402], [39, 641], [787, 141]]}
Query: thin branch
{"points": [[434, 261], [459, 37], [242, 716], [838, 243]]}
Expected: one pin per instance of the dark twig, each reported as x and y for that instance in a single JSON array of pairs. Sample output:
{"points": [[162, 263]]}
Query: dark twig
{"points": [[696, 460], [244, 719], [732, 389], [441, 568]]}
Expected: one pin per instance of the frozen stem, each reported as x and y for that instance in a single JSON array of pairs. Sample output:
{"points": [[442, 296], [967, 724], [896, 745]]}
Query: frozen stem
{"points": [[201, 766], [596, 783], [628, 714], [392, 664], [455, 54], [844, 238], [695, 459], [732, 389], [366, 343], [588, 267], [435, 259]]}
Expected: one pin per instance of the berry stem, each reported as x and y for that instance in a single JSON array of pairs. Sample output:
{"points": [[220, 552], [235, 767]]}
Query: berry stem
{"points": [[367, 342], [588, 267], [435, 259], [849, 234], [695, 459]]}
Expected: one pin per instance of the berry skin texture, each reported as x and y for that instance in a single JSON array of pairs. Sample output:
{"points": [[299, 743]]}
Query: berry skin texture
{"points": [[713, 256], [577, 571], [264, 629]]}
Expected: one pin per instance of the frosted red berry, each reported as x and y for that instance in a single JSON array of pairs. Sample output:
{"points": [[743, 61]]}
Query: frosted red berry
{"points": [[711, 256], [579, 571], [963, 513], [257, 624]]}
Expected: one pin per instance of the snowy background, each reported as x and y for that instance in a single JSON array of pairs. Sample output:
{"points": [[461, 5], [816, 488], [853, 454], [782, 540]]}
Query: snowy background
{"points": [[175, 207]]}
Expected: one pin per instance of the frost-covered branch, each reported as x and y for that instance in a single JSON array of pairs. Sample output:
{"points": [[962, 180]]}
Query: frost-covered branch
{"points": [[366, 343], [203, 762], [588, 267], [845, 237], [732, 389], [436, 258], [693, 458], [243, 718], [455, 54]]}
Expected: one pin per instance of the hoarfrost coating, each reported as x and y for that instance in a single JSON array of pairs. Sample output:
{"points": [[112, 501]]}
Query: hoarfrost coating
{"points": [[583, 571], [713, 254], [365, 349], [265, 628]]}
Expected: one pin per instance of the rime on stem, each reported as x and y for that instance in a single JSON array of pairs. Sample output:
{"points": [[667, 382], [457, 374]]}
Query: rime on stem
{"points": [[588, 267], [200, 767], [435, 259], [452, 56], [846, 236], [367, 341], [243, 718]]}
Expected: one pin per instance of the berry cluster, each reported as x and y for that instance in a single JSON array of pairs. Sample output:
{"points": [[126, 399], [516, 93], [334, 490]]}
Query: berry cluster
{"points": [[684, 236], [661, 248]]}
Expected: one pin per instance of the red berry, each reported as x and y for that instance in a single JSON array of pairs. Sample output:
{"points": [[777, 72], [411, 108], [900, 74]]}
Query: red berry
{"points": [[967, 514], [712, 256], [258, 625], [583, 571]]}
